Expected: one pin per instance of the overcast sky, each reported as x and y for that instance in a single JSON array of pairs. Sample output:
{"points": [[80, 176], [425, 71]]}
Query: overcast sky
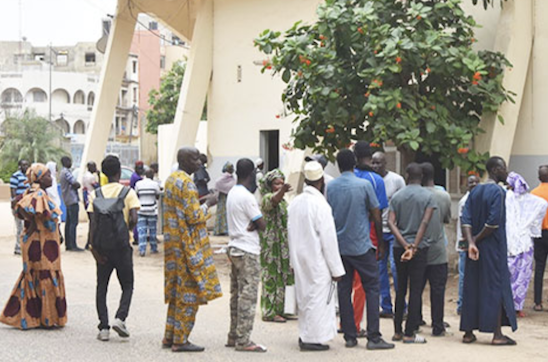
{"points": [[61, 22]]}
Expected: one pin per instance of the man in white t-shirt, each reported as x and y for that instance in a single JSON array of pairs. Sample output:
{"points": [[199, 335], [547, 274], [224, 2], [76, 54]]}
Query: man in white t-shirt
{"points": [[244, 223], [392, 183], [148, 191]]}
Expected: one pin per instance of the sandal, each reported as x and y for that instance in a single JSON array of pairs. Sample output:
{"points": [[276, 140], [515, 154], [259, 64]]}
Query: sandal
{"points": [[251, 347], [398, 337], [469, 339], [275, 319], [167, 343], [538, 308], [416, 340], [506, 341]]}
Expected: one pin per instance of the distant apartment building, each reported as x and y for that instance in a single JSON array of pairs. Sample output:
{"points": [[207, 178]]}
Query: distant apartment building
{"points": [[60, 84]]}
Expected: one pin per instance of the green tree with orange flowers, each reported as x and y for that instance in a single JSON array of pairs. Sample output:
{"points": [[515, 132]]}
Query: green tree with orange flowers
{"points": [[388, 70]]}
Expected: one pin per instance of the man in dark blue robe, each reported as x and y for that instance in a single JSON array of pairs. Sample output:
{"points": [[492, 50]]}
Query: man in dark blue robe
{"points": [[487, 297]]}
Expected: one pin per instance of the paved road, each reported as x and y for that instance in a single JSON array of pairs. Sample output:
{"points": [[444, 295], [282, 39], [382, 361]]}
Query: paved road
{"points": [[76, 342]]}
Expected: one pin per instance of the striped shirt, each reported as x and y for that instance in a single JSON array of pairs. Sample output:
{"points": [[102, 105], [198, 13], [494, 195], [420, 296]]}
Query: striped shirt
{"points": [[69, 194], [148, 190], [17, 182]]}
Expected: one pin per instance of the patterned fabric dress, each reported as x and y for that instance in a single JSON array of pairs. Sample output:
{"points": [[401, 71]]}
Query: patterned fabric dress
{"points": [[524, 215], [190, 275], [38, 298], [276, 272]]}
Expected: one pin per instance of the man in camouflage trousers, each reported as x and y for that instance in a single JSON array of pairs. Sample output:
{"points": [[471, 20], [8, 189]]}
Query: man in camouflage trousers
{"points": [[244, 222]]}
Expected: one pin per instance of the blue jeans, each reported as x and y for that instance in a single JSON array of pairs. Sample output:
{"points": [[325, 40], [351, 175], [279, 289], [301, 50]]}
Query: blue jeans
{"points": [[462, 264], [386, 301], [70, 226], [146, 226]]}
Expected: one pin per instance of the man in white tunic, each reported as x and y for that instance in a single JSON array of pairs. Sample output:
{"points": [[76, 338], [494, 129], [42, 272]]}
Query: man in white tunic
{"points": [[316, 261]]}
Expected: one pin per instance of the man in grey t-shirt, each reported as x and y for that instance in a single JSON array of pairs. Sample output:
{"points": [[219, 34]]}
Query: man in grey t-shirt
{"points": [[410, 212], [436, 269]]}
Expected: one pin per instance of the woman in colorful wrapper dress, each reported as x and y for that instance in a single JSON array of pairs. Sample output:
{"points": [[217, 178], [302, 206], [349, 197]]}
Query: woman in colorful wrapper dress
{"points": [[38, 298], [276, 272]]}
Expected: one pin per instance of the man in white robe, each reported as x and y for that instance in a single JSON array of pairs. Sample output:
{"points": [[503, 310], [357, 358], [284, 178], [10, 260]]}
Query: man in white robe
{"points": [[316, 261]]}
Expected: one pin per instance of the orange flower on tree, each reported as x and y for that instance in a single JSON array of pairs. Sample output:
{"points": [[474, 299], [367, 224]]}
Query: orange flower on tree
{"points": [[433, 108], [477, 76], [398, 106], [267, 64], [377, 82], [367, 94], [374, 145], [322, 37], [463, 150], [398, 60], [371, 114], [330, 129], [419, 17], [475, 82], [473, 173], [427, 70], [360, 30]]}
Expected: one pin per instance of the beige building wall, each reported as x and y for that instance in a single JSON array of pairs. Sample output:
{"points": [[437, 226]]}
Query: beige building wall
{"points": [[173, 54], [238, 109]]}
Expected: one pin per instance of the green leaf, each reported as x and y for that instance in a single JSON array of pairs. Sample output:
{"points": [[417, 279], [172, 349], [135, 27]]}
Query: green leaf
{"points": [[501, 119], [286, 75], [414, 145]]}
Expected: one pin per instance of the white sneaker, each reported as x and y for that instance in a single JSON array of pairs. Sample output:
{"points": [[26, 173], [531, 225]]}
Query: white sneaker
{"points": [[103, 335], [120, 327]]}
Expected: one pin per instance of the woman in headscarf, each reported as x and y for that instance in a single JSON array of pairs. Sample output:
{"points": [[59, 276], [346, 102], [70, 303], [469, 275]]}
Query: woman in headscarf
{"points": [[524, 215], [276, 272], [38, 298], [223, 185]]}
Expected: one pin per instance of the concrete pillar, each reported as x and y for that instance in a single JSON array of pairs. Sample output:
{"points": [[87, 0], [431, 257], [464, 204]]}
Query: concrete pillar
{"points": [[515, 34], [195, 84], [119, 43]]}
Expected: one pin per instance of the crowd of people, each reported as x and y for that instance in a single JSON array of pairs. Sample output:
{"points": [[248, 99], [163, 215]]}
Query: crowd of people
{"points": [[335, 245]]}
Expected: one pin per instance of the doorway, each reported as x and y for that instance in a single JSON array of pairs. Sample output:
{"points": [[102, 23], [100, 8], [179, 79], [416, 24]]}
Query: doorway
{"points": [[270, 149]]}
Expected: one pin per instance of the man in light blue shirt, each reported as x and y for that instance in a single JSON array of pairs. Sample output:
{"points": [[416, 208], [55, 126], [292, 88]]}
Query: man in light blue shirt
{"points": [[353, 201], [69, 192]]}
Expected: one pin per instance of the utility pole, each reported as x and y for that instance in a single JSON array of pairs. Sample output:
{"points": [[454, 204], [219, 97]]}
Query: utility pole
{"points": [[50, 68], [134, 115]]}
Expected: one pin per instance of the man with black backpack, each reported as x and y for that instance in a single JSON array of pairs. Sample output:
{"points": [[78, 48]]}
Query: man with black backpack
{"points": [[113, 209]]}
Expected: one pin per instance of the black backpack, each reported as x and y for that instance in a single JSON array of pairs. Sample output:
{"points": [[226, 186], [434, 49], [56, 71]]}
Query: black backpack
{"points": [[110, 231]]}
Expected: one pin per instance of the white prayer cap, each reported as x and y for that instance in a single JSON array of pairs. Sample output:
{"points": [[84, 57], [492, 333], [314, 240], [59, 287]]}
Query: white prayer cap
{"points": [[258, 162], [313, 171]]}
